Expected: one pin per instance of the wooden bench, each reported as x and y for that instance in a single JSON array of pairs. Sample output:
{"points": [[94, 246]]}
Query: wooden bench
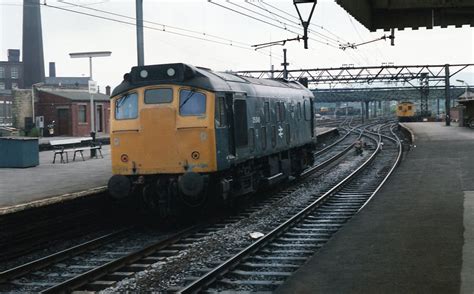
{"points": [[74, 145]]}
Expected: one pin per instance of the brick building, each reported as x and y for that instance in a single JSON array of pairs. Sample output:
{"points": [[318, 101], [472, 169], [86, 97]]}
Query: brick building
{"points": [[70, 110], [11, 77]]}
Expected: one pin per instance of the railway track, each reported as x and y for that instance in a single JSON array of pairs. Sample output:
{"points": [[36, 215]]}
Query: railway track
{"points": [[102, 262], [265, 264]]}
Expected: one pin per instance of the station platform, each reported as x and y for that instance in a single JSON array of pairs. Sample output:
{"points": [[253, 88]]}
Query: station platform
{"points": [[48, 182], [417, 233]]}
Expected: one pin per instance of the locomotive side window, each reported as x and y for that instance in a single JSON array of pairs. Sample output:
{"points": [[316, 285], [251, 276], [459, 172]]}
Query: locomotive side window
{"points": [[274, 136], [264, 137], [277, 111], [266, 109], [307, 110], [288, 133], [282, 111], [126, 107], [158, 96], [299, 113], [191, 103], [240, 127], [252, 138], [221, 118]]}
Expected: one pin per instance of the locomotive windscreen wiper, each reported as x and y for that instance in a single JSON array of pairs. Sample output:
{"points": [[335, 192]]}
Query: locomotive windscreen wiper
{"points": [[191, 93]]}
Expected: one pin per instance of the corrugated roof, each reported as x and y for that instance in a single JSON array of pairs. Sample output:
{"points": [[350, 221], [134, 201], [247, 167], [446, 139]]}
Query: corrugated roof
{"points": [[77, 95]]}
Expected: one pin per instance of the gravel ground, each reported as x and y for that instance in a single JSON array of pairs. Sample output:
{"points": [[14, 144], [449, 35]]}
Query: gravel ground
{"points": [[217, 247]]}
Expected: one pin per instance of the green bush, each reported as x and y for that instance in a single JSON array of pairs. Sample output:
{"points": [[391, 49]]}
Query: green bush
{"points": [[34, 132]]}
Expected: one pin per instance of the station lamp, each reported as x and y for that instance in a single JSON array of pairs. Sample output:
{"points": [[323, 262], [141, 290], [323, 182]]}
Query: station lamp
{"points": [[305, 23]]}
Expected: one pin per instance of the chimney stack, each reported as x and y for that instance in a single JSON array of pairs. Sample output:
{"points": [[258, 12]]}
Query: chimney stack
{"points": [[33, 59], [107, 90], [52, 69]]}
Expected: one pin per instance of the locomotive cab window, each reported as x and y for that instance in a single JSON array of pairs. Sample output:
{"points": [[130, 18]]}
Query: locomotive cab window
{"points": [[192, 103], [158, 96], [126, 107]]}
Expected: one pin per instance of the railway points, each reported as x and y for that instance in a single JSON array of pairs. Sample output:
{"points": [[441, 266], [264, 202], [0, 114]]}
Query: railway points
{"points": [[414, 237]]}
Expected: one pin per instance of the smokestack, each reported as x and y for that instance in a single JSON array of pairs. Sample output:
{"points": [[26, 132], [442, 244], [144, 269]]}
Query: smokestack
{"points": [[52, 69], [33, 60], [107, 90]]}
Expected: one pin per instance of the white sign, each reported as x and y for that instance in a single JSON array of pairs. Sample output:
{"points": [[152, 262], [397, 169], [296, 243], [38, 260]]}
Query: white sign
{"points": [[93, 89], [280, 132]]}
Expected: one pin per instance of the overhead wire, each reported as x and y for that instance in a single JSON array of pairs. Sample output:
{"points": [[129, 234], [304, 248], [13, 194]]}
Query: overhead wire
{"points": [[163, 29], [286, 25], [158, 24], [266, 22], [311, 24], [297, 23]]}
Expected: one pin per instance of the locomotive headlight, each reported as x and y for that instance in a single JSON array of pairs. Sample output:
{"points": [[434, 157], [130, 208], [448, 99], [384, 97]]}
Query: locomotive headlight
{"points": [[144, 74], [170, 72]]}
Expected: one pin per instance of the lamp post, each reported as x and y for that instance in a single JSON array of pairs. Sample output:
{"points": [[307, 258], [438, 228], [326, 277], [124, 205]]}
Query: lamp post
{"points": [[90, 55], [467, 86]]}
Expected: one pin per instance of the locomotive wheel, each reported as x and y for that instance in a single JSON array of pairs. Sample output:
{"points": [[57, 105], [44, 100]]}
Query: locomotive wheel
{"points": [[471, 123]]}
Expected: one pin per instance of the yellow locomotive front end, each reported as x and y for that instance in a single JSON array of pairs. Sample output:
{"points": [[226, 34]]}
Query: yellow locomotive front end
{"points": [[152, 134], [162, 136], [406, 111]]}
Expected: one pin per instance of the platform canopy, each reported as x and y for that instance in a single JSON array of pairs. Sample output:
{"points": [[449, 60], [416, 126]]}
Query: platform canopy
{"points": [[401, 14]]}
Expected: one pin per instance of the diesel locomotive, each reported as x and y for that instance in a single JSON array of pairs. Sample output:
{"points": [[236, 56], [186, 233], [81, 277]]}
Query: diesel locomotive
{"points": [[406, 111], [180, 134]]}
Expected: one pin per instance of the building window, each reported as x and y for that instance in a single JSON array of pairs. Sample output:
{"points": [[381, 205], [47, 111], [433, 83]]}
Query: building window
{"points": [[14, 72], [82, 114], [14, 85], [2, 72], [2, 86]]}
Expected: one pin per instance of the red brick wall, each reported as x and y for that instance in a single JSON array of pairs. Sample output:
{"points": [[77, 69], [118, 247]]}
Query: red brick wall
{"points": [[48, 104]]}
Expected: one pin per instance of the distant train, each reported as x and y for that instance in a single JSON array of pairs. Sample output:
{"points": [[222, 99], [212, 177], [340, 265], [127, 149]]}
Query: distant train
{"points": [[180, 134], [406, 111]]}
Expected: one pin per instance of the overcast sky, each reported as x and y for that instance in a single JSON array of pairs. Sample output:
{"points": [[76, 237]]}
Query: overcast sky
{"points": [[65, 32]]}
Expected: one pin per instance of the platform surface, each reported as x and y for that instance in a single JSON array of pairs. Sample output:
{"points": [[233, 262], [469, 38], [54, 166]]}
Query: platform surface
{"points": [[415, 236], [22, 185]]}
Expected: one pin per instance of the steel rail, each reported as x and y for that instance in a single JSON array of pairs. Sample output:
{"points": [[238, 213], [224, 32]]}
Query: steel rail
{"points": [[115, 265], [213, 275], [59, 256]]}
